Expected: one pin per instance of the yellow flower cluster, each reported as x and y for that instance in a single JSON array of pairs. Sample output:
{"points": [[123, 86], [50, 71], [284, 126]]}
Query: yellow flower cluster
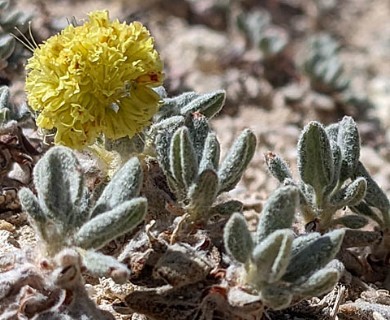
{"points": [[95, 79]]}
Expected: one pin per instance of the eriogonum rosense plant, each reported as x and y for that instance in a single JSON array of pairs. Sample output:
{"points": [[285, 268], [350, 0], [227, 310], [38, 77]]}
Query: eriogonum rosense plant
{"points": [[189, 155], [332, 178], [328, 158], [323, 65], [96, 78], [12, 53], [64, 219], [278, 266]]}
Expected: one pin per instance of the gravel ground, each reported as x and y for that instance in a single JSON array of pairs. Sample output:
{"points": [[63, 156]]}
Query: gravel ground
{"points": [[204, 50]]}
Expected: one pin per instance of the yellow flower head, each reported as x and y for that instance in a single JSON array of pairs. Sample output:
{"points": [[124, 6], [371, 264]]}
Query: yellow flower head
{"points": [[95, 78]]}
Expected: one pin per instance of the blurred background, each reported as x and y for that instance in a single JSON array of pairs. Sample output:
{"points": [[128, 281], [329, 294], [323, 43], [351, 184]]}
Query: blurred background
{"points": [[282, 63]]}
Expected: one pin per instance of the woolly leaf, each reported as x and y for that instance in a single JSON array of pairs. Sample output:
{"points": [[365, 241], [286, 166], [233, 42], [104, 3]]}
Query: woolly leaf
{"points": [[360, 238], [172, 106], [303, 241], [183, 161], [236, 161], [162, 133], [337, 161], [60, 184], [125, 184], [277, 166], [278, 212], [314, 256], [111, 224], [169, 125], [270, 258], [351, 221], [275, 297], [202, 194], [163, 146], [315, 161], [226, 208], [4, 97], [188, 158], [102, 265], [364, 209], [320, 282], [349, 141], [351, 194], [237, 238], [7, 46], [176, 169], [374, 195], [209, 104], [333, 131], [211, 153], [30, 204], [198, 128], [82, 212]]}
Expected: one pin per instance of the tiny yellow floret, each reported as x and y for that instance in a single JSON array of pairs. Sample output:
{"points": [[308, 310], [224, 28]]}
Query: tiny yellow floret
{"points": [[95, 79]]}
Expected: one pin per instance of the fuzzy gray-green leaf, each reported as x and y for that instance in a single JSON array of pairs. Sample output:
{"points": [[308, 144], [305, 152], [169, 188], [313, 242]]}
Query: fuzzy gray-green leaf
{"points": [[173, 106], [364, 209], [314, 256], [202, 194], [4, 104], [184, 165], [351, 221], [189, 160], [102, 265], [349, 142], [226, 208], [237, 238], [177, 103], [109, 225], [276, 297], [303, 241], [175, 176], [360, 238], [31, 205], [198, 128], [124, 185], [333, 131], [169, 125], [351, 194], [374, 194], [337, 162], [278, 212], [271, 257], [277, 166], [315, 161], [211, 153], [209, 104], [4, 97], [82, 212], [320, 282], [236, 160], [7, 46], [60, 184], [161, 133]]}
